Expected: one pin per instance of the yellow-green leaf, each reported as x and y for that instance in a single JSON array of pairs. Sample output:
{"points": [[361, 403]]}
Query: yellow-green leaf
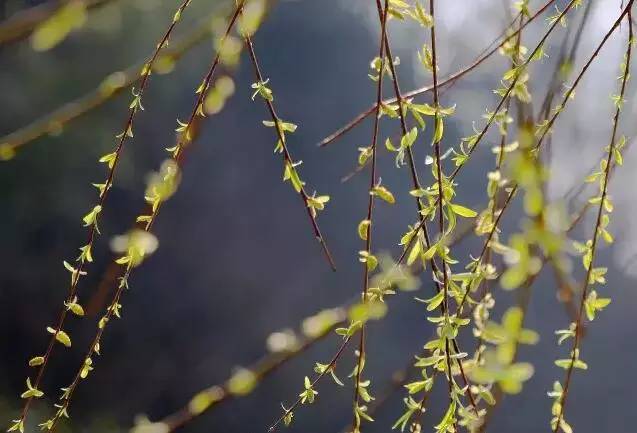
{"points": [[383, 193], [60, 336], [463, 211], [363, 229], [36, 360]]}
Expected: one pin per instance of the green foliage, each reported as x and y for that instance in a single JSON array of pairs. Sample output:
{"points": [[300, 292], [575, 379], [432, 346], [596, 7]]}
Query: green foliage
{"points": [[463, 287]]}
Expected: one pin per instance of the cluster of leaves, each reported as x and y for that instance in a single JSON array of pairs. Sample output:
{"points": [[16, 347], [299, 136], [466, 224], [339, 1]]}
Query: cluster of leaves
{"points": [[463, 297]]}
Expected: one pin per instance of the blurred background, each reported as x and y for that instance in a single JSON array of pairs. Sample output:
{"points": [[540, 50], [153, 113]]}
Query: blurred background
{"points": [[237, 260]]}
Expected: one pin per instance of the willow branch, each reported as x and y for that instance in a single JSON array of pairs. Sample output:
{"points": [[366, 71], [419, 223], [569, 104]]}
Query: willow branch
{"points": [[598, 222], [93, 231], [287, 158], [184, 140], [370, 208]]}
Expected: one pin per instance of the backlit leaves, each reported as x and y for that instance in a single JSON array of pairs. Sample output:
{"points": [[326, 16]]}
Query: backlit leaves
{"points": [[383, 193], [262, 90], [31, 392], [363, 229], [369, 259], [509, 334], [462, 211], [74, 307], [317, 203], [135, 246], [412, 407], [91, 217], [242, 382], [85, 254], [60, 336], [327, 368], [309, 394], [509, 377], [593, 304], [573, 362], [523, 254], [365, 311], [522, 263], [17, 425], [86, 368], [75, 273], [291, 174], [447, 421], [109, 159], [162, 184], [36, 361]]}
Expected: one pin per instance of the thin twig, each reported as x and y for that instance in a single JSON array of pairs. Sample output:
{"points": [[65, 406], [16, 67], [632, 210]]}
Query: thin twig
{"points": [[185, 138], [585, 285], [417, 186], [329, 367], [502, 100], [102, 200], [287, 157], [370, 209]]}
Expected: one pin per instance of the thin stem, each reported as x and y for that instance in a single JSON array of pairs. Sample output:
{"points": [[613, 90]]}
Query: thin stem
{"points": [[598, 222], [441, 216], [403, 374], [539, 144], [500, 158], [513, 83], [263, 368], [491, 119], [370, 211], [185, 138], [565, 58], [416, 185], [287, 157], [421, 224], [331, 364], [93, 231]]}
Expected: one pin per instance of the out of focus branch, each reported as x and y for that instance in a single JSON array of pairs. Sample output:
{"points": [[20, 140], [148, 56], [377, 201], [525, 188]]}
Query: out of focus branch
{"points": [[110, 86], [243, 381], [23, 23]]}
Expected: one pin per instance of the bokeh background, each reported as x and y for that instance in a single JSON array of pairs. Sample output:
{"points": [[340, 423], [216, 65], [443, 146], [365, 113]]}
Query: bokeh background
{"points": [[237, 260]]}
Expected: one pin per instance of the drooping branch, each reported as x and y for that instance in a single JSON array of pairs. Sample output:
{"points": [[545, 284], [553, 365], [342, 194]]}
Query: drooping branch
{"points": [[90, 220], [598, 230], [135, 252], [312, 203], [360, 411]]}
